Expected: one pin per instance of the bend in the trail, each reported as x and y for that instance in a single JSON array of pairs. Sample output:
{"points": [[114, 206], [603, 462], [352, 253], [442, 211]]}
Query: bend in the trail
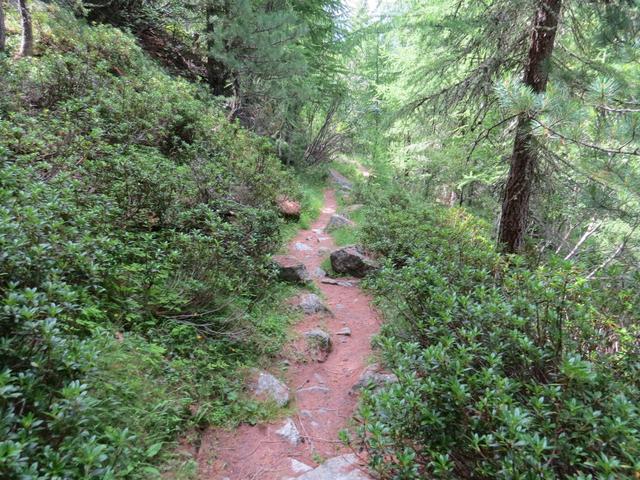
{"points": [[323, 401]]}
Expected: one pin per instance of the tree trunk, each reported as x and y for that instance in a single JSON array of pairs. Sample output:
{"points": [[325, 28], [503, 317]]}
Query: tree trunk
{"points": [[26, 47], [216, 72], [515, 206], [3, 34]]}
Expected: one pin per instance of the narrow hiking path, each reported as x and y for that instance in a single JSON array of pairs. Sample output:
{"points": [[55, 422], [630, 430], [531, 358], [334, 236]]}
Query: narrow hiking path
{"points": [[322, 396]]}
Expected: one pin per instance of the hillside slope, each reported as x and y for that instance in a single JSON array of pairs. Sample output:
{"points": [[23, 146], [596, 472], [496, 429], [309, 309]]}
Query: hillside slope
{"points": [[136, 230]]}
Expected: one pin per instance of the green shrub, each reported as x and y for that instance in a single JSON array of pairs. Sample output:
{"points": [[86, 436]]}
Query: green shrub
{"points": [[505, 370], [136, 229]]}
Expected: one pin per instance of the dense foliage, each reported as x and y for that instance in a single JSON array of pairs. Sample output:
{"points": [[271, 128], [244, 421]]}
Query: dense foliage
{"points": [[438, 91], [276, 63], [138, 218], [506, 369], [131, 212]]}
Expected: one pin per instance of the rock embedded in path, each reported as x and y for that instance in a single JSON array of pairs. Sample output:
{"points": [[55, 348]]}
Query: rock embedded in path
{"points": [[320, 341], [289, 432], [352, 260], [267, 387], [312, 303], [290, 269], [338, 221], [374, 376], [299, 467], [340, 283], [302, 247], [344, 467], [346, 331], [340, 180]]}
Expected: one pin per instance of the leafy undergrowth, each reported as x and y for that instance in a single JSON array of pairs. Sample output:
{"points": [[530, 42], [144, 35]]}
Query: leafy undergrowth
{"points": [[136, 231], [506, 370]]}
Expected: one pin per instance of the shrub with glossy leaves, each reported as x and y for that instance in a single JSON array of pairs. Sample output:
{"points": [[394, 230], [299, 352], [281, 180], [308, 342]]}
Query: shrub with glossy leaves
{"points": [[136, 228], [506, 370]]}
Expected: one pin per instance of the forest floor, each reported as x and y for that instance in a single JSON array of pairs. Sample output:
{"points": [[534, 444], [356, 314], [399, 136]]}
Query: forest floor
{"points": [[322, 396]]}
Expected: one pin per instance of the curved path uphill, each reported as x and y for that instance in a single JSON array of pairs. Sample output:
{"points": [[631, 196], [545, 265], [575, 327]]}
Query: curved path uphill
{"points": [[322, 396]]}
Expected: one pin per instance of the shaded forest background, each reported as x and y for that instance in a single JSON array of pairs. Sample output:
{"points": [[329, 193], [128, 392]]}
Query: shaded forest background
{"points": [[147, 147]]}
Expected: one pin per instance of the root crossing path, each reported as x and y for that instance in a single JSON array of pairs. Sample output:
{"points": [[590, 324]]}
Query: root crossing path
{"points": [[322, 396]]}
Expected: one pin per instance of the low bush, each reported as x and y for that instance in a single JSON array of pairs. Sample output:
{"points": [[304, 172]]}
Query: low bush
{"points": [[136, 229], [506, 369]]}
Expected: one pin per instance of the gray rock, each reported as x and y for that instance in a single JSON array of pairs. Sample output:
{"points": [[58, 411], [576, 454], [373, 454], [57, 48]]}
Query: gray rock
{"points": [[373, 376], [299, 467], [319, 273], [268, 387], [352, 260], [346, 331], [338, 221], [319, 344], [312, 303], [340, 180], [332, 281], [353, 208], [289, 432], [344, 467], [315, 389], [290, 269], [322, 251], [302, 247], [319, 339]]}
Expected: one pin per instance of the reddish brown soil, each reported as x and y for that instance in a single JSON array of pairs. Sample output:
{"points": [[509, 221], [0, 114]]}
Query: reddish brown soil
{"points": [[256, 452]]}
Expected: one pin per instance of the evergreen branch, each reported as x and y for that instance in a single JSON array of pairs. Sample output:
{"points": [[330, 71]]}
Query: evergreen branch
{"points": [[592, 146], [483, 136]]}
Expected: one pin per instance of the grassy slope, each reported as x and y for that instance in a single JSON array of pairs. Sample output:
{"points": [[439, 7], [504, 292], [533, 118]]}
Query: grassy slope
{"points": [[132, 212]]}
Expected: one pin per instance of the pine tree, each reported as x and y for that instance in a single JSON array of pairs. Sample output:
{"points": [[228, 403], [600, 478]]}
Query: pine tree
{"points": [[216, 72], [26, 45], [515, 208], [3, 35]]}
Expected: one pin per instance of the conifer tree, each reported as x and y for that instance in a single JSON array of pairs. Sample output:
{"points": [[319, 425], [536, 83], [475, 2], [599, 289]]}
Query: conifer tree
{"points": [[3, 35], [26, 45], [515, 208]]}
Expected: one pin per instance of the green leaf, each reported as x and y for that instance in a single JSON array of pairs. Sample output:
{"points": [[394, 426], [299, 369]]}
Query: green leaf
{"points": [[153, 450]]}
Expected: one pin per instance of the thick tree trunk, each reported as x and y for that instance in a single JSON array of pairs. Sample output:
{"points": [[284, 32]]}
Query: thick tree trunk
{"points": [[216, 76], [26, 47], [515, 206], [3, 35]]}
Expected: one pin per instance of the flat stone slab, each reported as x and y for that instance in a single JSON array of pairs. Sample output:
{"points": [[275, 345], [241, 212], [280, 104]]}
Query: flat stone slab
{"points": [[340, 283], [299, 467], [302, 247], [344, 467]]}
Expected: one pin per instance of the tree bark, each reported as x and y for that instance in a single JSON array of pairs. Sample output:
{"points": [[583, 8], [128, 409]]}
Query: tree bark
{"points": [[3, 34], [216, 72], [26, 47], [515, 206]]}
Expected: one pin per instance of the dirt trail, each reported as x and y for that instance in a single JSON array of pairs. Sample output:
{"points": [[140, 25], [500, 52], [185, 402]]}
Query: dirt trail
{"points": [[321, 393]]}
